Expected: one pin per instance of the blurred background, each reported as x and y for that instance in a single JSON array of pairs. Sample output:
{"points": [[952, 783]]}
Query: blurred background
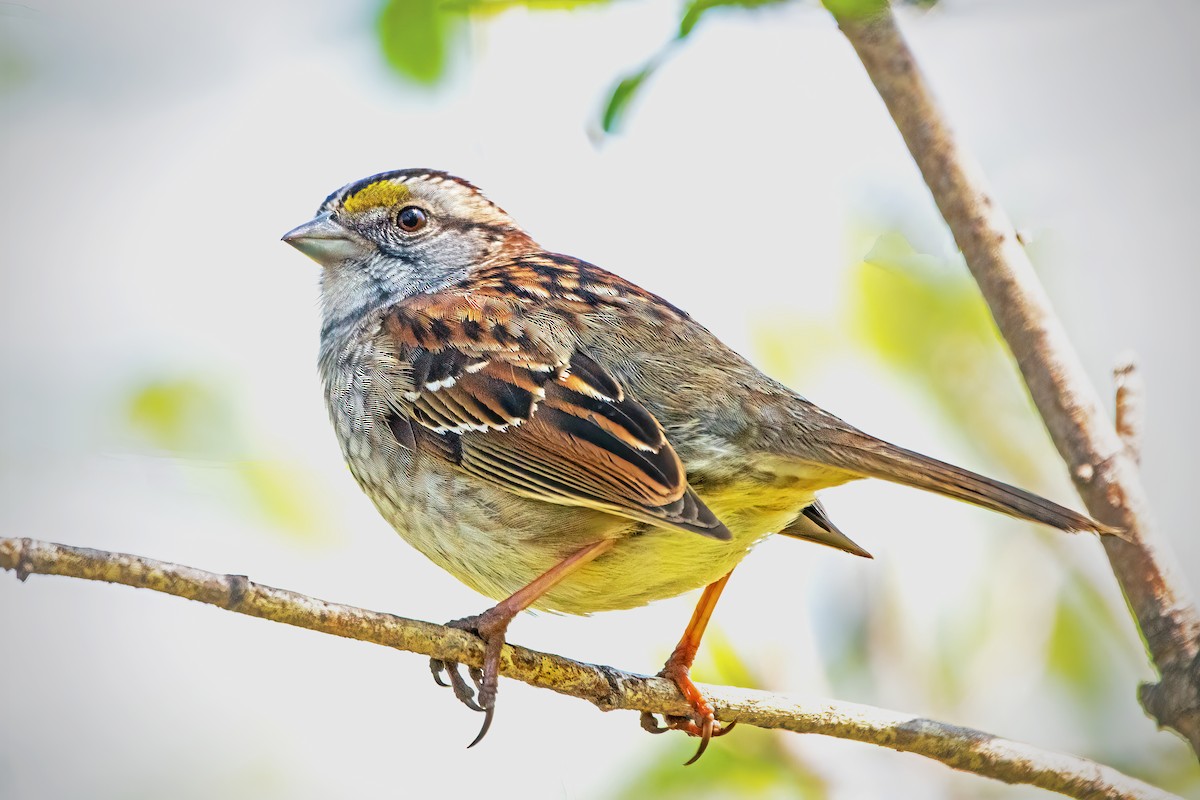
{"points": [[158, 346]]}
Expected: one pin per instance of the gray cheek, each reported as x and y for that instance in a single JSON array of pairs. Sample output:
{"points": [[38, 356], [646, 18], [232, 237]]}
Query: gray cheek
{"points": [[461, 250], [442, 259]]}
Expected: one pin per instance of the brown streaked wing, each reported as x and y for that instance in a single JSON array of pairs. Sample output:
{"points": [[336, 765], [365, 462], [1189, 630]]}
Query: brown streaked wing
{"points": [[534, 416]]}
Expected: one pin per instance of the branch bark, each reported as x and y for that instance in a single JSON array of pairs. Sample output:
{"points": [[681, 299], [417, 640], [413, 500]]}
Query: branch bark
{"points": [[1104, 471], [608, 688]]}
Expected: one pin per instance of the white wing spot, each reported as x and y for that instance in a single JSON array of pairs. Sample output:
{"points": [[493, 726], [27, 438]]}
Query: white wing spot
{"points": [[464, 427]]}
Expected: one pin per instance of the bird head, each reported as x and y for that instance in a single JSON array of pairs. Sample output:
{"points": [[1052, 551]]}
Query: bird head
{"points": [[399, 233]]}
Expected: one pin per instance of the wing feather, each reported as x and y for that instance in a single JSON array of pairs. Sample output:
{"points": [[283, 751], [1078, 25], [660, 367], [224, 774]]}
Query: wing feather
{"points": [[533, 412]]}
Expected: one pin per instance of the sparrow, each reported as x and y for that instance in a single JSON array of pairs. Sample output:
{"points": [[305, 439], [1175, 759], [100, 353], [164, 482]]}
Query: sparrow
{"points": [[558, 438]]}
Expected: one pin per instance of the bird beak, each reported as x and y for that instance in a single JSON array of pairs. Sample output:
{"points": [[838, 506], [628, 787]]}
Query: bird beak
{"points": [[327, 242]]}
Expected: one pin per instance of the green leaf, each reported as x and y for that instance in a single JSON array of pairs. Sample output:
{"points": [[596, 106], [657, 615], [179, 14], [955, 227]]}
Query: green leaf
{"points": [[618, 101], [696, 9], [416, 37], [858, 8]]}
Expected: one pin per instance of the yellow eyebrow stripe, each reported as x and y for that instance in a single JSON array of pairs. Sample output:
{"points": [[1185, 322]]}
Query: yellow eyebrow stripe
{"points": [[374, 195]]}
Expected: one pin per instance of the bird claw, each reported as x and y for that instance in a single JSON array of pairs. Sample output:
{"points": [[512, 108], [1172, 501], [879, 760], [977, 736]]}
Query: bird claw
{"points": [[462, 690], [649, 724], [703, 727], [481, 696], [701, 723], [437, 667]]}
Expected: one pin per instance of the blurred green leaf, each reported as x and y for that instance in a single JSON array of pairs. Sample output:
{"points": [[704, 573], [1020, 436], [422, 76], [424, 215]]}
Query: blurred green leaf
{"points": [[1084, 642], [866, 8], [618, 101], [857, 8], [748, 763], [775, 340], [925, 316], [194, 419], [416, 37], [722, 661], [285, 496], [15, 68], [1072, 653], [489, 8], [959, 638], [183, 415], [694, 10]]}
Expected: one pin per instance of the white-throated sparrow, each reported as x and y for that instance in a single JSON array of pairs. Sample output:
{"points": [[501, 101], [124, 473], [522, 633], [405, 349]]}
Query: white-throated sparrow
{"points": [[557, 437]]}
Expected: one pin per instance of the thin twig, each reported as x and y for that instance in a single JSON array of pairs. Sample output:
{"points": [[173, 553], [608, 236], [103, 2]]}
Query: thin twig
{"points": [[606, 687], [1104, 472], [1131, 405]]}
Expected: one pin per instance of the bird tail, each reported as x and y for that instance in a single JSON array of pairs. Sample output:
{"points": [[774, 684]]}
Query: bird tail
{"points": [[867, 456]]}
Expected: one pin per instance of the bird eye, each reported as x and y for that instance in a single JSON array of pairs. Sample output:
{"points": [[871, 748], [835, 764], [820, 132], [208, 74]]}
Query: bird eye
{"points": [[411, 219]]}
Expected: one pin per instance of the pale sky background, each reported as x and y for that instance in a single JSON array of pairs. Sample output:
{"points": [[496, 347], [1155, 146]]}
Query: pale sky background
{"points": [[155, 153]]}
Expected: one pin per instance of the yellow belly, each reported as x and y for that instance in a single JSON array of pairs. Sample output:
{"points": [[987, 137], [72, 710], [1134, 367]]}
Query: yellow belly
{"points": [[656, 563], [496, 542]]}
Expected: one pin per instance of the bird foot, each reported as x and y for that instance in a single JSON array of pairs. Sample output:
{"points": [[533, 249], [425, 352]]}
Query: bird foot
{"points": [[478, 694], [702, 722]]}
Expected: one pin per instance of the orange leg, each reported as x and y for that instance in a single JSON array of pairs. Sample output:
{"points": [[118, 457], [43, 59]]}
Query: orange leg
{"points": [[703, 721], [491, 626]]}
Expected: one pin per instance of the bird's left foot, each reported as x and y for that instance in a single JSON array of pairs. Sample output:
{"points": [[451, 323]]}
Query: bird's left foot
{"points": [[479, 694], [702, 722]]}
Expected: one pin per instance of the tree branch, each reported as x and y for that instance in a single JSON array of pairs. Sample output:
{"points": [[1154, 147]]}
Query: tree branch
{"points": [[608, 688], [1105, 473]]}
